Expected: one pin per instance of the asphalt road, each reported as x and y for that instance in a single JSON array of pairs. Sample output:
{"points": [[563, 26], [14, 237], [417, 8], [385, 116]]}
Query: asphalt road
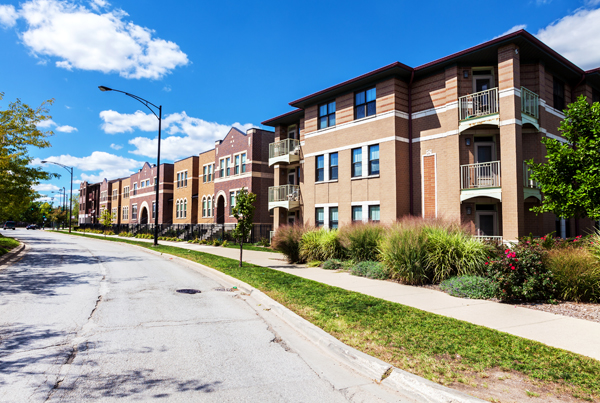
{"points": [[87, 320]]}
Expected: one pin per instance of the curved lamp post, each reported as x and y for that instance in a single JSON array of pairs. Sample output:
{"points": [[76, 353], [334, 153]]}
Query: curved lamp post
{"points": [[70, 169], [148, 105]]}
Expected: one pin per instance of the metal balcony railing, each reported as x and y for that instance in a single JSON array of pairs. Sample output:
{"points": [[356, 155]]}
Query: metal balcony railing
{"points": [[284, 147], [530, 102], [491, 238], [481, 175], [478, 104], [527, 181], [284, 193]]}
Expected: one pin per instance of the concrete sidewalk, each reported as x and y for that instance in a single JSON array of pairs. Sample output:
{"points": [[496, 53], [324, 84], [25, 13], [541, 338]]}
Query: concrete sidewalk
{"points": [[576, 335]]}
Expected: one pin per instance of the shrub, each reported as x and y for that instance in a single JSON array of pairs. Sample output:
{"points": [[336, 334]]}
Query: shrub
{"points": [[370, 269], [264, 242], [321, 244], [109, 232], [126, 234], [522, 275], [361, 240], [475, 287], [452, 252], [145, 236], [225, 244], [216, 242], [287, 241], [314, 263], [577, 274], [403, 253], [333, 264]]}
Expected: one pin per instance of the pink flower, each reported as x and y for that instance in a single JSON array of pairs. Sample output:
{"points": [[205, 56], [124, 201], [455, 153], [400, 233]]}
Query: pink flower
{"points": [[486, 263], [512, 267]]}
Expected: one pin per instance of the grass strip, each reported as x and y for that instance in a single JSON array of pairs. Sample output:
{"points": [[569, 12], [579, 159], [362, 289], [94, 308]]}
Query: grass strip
{"points": [[6, 244], [248, 246], [436, 347]]}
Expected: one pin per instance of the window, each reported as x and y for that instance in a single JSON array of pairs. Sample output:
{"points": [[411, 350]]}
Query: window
{"points": [[134, 189], [319, 216], [333, 166], [320, 168], [141, 184], [184, 208], [155, 183], [185, 178], [374, 160], [126, 192], [134, 211], [221, 170], [356, 162], [243, 163], [231, 202], [153, 210], [177, 209], [228, 165], [147, 182], [178, 179], [114, 214], [237, 165], [205, 174], [204, 207], [559, 94], [125, 212], [115, 194], [211, 168], [333, 217], [374, 213], [357, 213], [209, 212], [364, 103], [327, 115]]}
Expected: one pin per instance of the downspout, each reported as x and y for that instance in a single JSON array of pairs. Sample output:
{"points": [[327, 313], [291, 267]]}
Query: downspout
{"points": [[410, 144]]}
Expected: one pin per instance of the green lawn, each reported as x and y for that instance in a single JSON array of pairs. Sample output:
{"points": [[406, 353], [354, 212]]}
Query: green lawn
{"points": [[249, 246], [7, 244], [439, 348]]}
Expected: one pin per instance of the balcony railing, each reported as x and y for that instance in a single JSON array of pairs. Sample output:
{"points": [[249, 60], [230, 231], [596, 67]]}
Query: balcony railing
{"points": [[284, 193], [286, 150], [491, 238], [530, 102], [481, 175], [527, 181], [478, 104]]}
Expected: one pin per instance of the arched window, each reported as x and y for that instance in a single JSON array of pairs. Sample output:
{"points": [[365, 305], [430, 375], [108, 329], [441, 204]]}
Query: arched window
{"points": [[204, 207], [177, 209], [209, 206], [185, 208]]}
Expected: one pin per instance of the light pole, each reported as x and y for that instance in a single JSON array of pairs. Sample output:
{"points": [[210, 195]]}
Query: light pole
{"points": [[70, 169], [159, 117]]}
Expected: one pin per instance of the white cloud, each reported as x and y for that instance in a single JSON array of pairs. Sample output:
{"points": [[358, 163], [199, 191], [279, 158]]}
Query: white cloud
{"points": [[183, 135], [116, 146], [45, 187], [66, 129], [592, 3], [110, 166], [46, 124], [88, 39], [8, 15], [167, 88], [511, 30], [576, 37]]}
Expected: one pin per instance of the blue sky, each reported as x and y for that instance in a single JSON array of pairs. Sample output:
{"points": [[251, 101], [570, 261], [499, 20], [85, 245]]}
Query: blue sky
{"points": [[217, 64]]}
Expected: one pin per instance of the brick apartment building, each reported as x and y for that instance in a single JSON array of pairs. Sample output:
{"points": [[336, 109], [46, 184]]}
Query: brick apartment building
{"points": [[445, 139], [89, 202], [185, 194], [241, 162], [142, 195], [206, 188]]}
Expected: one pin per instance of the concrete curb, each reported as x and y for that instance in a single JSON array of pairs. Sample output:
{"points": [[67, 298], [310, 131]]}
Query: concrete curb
{"points": [[418, 389], [9, 258]]}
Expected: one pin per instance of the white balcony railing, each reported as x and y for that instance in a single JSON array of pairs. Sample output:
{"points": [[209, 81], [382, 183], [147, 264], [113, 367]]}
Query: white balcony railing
{"points": [[478, 104], [285, 193], [481, 175], [490, 238], [530, 102], [284, 147], [527, 181]]}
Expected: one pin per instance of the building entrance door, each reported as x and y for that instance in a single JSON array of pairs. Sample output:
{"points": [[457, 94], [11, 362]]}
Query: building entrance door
{"points": [[144, 216], [220, 210]]}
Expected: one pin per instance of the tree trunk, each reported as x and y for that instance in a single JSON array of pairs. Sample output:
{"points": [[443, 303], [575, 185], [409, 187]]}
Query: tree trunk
{"points": [[241, 249]]}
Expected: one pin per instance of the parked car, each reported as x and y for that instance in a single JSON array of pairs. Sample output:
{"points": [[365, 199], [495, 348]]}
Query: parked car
{"points": [[32, 226], [10, 225]]}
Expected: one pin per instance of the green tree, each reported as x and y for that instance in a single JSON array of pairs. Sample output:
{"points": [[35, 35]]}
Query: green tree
{"points": [[106, 219], [19, 132], [570, 177], [243, 211]]}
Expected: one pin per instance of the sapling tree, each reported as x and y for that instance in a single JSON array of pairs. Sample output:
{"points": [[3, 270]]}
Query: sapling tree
{"points": [[570, 177], [106, 219], [243, 211]]}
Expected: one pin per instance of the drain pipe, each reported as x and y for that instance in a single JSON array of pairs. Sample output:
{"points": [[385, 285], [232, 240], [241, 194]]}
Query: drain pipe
{"points": [[410, 144]]}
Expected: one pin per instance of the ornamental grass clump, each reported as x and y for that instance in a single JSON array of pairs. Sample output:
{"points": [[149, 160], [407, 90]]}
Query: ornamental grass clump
{"points": [[520, 274], [577, 274], [321, 244], [361, 241], [403, 252], [287, 241]]}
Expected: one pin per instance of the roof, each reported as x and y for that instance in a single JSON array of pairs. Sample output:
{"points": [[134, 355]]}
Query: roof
{"points": [[532, 50], [286, 118]]}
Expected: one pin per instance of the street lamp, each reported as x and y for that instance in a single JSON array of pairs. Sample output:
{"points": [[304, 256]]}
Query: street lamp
{"points": [[70, 169], [148, 105]]}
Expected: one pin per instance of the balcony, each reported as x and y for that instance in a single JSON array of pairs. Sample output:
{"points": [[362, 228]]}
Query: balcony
{"points": [[286, 196], [480, 180], [530, 107], [530, 187], [478, 108], [284, 151]]}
